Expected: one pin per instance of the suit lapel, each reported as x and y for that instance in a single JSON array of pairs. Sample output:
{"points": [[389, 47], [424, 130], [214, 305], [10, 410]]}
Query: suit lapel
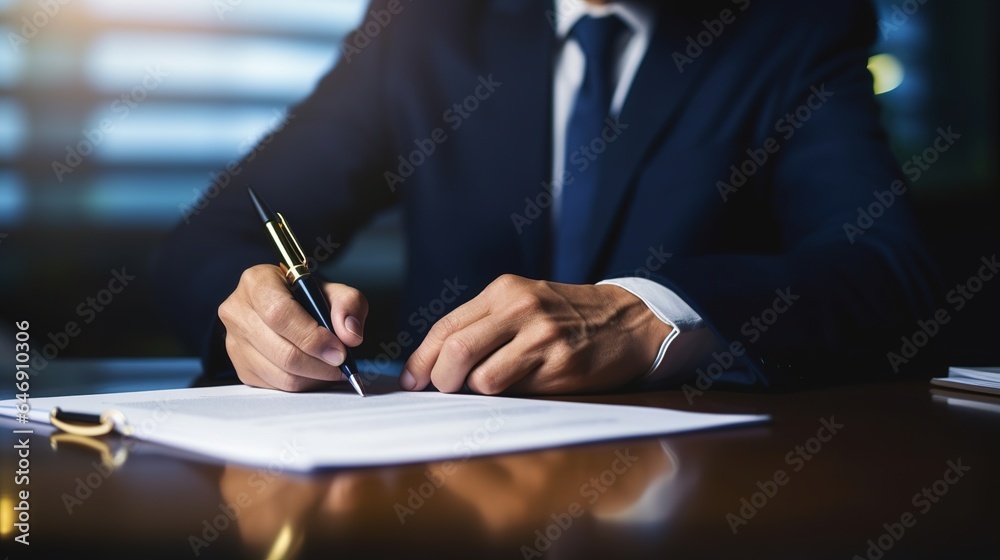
{"points": [[657, 93]]}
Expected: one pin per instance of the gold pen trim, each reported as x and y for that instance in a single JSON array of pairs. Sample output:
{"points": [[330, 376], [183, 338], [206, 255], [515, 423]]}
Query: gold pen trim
{"points": [[293, 260]]}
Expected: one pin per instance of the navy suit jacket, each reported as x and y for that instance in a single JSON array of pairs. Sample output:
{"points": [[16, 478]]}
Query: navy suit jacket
{"points": [[744, 150]]}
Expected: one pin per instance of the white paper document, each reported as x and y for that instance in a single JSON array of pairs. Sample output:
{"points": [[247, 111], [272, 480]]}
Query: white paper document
{"points": [[980, 380], [308, 431]]}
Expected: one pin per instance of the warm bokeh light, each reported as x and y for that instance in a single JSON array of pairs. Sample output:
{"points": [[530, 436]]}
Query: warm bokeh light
{"points": [[887, 71], [6, 515]]}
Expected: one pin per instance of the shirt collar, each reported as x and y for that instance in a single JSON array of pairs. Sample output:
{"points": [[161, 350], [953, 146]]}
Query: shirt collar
{"points": [[638, 16]]}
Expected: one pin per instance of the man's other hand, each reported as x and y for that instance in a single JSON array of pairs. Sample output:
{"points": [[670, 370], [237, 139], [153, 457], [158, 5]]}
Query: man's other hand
{"points": [[532, 336], [274, 343]]}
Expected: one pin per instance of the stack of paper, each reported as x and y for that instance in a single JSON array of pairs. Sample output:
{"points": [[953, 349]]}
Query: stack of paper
{"points": [[980, 380]]}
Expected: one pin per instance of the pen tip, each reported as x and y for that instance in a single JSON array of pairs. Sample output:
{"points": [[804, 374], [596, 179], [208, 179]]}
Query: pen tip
{"points": [[357, 386]]}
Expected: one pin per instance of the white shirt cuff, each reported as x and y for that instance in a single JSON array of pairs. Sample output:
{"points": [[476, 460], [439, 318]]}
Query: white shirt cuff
{"points": [[689, 341]]}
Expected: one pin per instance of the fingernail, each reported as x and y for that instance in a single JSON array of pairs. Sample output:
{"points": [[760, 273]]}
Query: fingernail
{"points": [[354, 326], [333, 356], [407, 381]]}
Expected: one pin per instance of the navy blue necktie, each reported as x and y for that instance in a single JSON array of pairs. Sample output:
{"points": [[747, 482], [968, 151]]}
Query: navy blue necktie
{"points": [[596, 38]]}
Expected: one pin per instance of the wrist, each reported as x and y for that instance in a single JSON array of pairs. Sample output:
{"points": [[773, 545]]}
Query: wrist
{"points": [[644, 329]]}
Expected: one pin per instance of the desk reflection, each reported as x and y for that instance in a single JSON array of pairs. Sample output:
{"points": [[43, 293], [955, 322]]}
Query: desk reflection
{"points": [[113, 453], [124, 498], [507, 498]]}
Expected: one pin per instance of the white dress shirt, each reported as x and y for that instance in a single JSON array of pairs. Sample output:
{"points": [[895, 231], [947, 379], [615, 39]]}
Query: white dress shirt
{"points": [[689, 341]]}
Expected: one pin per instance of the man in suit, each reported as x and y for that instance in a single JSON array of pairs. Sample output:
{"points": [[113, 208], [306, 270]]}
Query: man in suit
{"points": [[615, 192]]}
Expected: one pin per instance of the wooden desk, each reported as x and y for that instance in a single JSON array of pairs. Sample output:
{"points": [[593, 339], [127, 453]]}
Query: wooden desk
{"points": [[675, 497]]}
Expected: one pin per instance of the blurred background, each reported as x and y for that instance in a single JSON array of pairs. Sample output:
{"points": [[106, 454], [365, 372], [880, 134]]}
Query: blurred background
{"points": [[114, 113]]}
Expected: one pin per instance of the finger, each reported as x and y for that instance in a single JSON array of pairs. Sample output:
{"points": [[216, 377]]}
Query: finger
{"points": [[243, 371], [255, 369], [289, 357], [561, 369], [348, 311], [462, 350], [267, 294], [417, 371], [515, 364]]}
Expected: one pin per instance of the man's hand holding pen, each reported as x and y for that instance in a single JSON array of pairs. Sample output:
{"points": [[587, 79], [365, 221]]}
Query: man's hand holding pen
{"points": [[274, 343], [308, 293]]}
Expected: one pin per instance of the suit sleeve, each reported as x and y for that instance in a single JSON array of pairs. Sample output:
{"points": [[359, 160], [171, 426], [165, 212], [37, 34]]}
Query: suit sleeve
{"points": [[836, 299], [322, 168]]}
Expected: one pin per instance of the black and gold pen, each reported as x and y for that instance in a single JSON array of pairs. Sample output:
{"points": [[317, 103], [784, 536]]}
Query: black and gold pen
{"points": [[301, 282]]}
